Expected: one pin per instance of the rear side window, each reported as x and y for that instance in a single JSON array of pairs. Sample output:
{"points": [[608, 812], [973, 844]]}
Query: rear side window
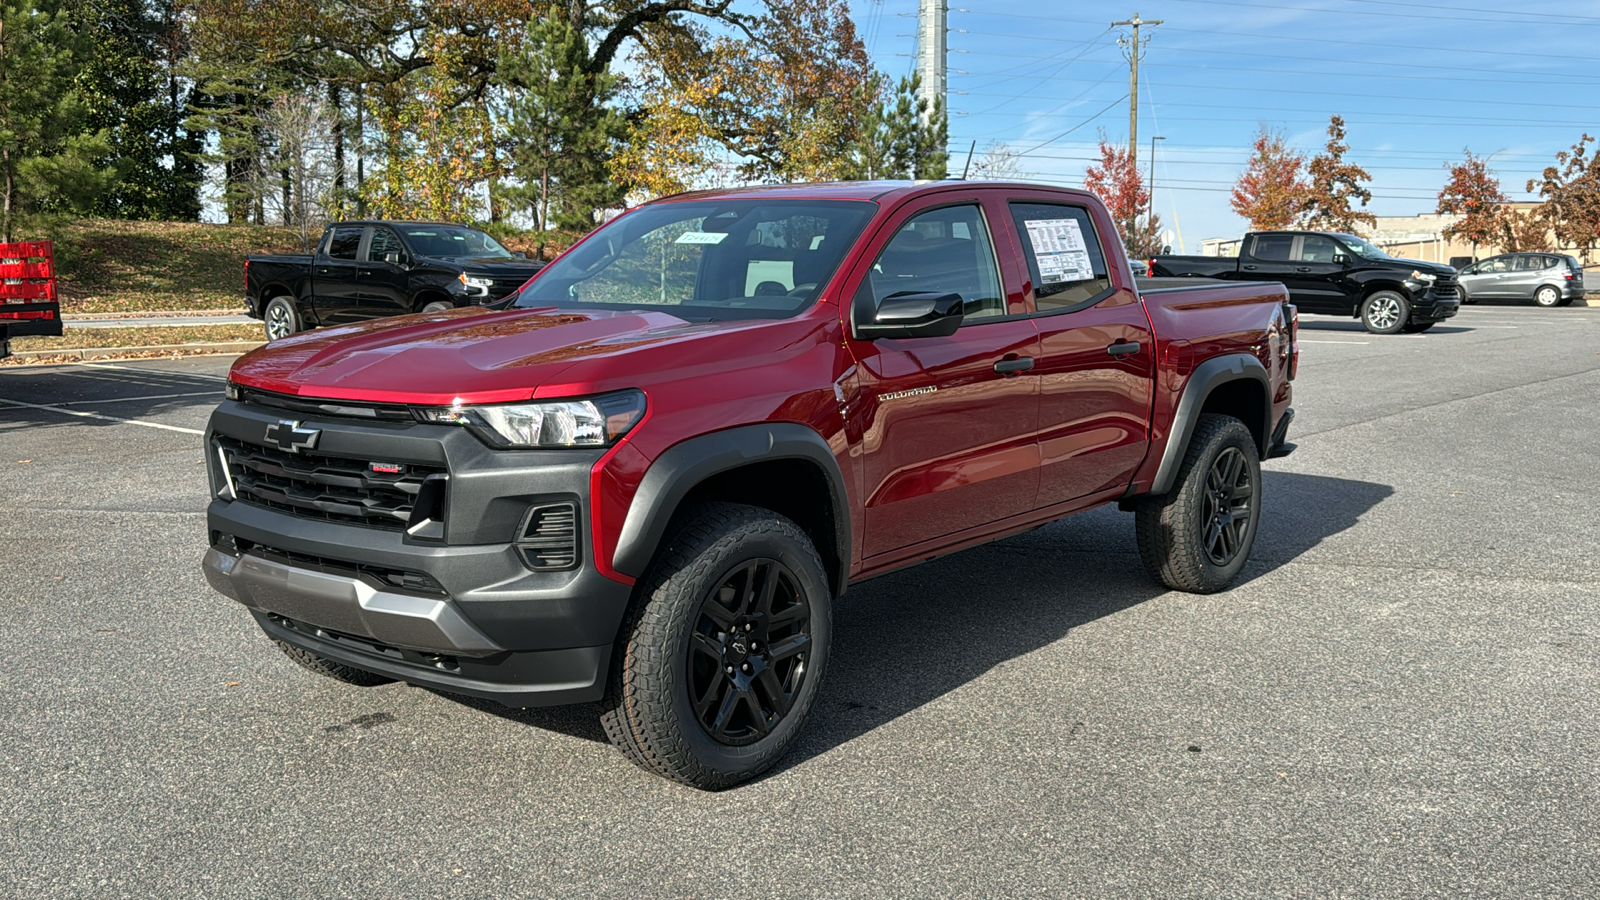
{"points": [[942, 251], [1065, 259], [1273, 246], [345, 242]]}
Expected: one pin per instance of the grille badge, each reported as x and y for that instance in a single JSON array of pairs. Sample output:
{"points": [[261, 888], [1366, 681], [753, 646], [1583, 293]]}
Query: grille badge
{"points": [[287, 434], [386, 468]]}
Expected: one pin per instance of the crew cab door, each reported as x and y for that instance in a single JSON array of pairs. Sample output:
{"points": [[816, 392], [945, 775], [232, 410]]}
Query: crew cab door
{"points": [[336, 276], [1096, 351], [1270, 256], [383, 288], [1316, 282], [946, 425]]}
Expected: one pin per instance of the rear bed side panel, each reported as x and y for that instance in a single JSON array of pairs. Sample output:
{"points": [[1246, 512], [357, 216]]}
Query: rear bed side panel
{"points": [[1205, 322]]}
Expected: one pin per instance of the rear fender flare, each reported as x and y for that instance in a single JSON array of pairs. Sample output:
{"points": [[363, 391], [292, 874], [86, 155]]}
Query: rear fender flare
{"points": [[1207, 377], [684, 466]]}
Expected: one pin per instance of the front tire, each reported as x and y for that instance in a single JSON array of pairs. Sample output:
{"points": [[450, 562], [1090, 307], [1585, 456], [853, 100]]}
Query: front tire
{"points": [[1418, 327], [1385, 312], [1197, 537], [328, 668], [437, 306], [280, 317], [721, 657], [1547, 297]]}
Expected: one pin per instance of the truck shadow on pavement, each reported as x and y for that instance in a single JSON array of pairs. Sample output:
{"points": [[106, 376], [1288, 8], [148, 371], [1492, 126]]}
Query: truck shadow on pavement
{"points": [[904, 640]]}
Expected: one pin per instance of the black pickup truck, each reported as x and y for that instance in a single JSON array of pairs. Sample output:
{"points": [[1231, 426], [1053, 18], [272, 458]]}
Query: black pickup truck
{"points": [[1333, 274], [364, 270]]}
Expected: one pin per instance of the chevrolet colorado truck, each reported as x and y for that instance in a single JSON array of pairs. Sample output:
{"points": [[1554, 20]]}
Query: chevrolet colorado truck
{"points": [[28, 304], [1334, 274], [644, 479], [365, 270]]}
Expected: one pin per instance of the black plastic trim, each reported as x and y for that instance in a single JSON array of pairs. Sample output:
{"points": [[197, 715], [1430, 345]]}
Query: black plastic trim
{"points": [[1207, 377], [676, 472]]}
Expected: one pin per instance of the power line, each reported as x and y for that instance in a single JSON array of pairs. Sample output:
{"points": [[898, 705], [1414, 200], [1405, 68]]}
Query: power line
{"points": [[1454, 16]]}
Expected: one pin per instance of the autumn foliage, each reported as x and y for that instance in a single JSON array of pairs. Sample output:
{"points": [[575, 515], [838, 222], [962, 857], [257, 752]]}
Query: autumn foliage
{"points": [[1270, 192], [1334, 183], [1571, 191], [1474, 194]]}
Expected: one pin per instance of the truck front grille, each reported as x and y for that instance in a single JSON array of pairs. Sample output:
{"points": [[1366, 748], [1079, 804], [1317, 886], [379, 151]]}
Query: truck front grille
{"points": [[315, 486], [1445, 288]]}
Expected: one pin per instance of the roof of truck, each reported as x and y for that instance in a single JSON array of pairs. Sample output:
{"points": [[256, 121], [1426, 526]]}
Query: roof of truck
{"points": [[849, 190]]}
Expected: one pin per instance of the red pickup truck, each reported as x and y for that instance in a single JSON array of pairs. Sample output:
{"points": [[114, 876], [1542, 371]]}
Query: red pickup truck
{"points": [[644, 478]]}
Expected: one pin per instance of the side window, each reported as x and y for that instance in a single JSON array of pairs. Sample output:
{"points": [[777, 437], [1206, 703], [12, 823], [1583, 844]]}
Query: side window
{"points": [[1547, 262], [383, 241], [1315, 248], [345, 242], [1065, 259], [946, 251], [1273, 246]]}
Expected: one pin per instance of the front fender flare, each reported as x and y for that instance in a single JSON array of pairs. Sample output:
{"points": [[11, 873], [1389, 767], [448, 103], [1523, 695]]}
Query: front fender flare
{"points": [[677, 471]]}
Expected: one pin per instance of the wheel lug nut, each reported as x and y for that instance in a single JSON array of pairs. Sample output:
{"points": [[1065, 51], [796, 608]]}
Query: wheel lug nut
{"points": [[747, 667], [749, 626], [730, 670]]}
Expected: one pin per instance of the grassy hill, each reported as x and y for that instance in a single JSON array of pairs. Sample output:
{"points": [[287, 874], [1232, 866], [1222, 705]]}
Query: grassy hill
{"points": [[106, 265]]}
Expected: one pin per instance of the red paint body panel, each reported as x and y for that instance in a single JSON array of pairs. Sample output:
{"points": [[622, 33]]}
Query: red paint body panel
{"points": [[984, 455]]}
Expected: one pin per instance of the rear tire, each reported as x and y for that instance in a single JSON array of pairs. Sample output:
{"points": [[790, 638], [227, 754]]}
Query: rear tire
{"points": [[1547, 297], [280, 318], [720, 659], [1385, 312], [328, 668], [1197, 537]]}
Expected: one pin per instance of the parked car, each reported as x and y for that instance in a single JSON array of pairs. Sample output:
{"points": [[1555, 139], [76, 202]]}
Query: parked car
{"points": [[1334, 274], [646, 478], [365, 270], [1548, 279]]}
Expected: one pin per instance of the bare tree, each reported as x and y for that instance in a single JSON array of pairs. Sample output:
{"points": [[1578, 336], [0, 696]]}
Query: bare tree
{"points": [[301, 179], [999, 162]]}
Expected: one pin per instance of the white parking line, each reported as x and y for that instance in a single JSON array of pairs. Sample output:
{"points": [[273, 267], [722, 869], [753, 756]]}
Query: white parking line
{"points": [[90, 415], [142, 371], [133, 399], [1309, 341]]}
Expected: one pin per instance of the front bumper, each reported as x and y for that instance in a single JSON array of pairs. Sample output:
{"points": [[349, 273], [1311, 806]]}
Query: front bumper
{"points": [[462, 611], [1432, 307]]}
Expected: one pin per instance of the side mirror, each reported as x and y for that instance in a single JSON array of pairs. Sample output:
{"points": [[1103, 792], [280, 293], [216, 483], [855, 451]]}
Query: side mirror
{"points": [[907, 315], [1339, 259], [392, 257]]}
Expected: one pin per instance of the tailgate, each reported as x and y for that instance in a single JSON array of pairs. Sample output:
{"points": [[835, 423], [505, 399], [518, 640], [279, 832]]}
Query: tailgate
{"points": [[28, 302]]}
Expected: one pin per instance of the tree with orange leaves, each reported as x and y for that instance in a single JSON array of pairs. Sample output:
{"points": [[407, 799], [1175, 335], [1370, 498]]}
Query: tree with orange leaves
{"points": [[1269, 193]]}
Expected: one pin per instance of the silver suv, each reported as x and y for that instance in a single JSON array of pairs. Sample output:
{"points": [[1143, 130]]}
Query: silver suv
{"points": [[1548, 279]]}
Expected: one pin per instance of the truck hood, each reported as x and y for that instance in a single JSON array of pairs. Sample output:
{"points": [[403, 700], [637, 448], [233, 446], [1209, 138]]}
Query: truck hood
{"points": [[477, 355], [1429, 267]]}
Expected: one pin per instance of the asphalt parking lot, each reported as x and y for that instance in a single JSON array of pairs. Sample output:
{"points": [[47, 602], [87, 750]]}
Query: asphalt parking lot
{"points": [[1400, 699]]}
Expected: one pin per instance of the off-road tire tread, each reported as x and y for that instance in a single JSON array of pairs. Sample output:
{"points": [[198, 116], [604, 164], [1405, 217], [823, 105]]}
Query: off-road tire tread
{"points": [[637, 707], [328, 668], [1180, 564]]}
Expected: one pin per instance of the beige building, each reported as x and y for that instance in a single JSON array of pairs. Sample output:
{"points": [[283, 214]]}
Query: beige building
{"points": [[1408, 237]]}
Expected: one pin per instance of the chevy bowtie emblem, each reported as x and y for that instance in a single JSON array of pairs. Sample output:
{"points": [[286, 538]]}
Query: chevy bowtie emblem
{"points": [[290, 436]]}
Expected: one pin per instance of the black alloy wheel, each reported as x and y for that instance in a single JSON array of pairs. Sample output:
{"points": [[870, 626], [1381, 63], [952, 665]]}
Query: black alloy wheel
{"points": [[1229, 507], [749, 652]]}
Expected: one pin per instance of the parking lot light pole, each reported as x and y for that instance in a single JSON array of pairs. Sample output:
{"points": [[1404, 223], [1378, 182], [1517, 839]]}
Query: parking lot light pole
{"points": [[1151, 212]]}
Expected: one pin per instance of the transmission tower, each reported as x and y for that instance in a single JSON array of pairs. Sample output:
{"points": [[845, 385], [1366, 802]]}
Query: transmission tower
{"points": [[932, 35]]}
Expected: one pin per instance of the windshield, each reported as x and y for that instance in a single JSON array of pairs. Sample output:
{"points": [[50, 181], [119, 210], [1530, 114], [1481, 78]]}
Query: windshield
{"points": [[1361, 248], [453, 240], [706, 261]]}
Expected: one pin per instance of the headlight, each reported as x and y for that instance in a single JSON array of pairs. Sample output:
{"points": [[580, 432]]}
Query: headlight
{"points": [[475, 284], [593, 422], [232, 391], [1423, 277]]}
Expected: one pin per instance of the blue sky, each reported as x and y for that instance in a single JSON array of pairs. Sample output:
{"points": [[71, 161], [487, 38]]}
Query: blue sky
{"points": [[1415, 83]]}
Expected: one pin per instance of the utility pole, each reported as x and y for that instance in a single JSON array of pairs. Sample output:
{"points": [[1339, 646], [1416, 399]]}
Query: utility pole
{"points": [[932, 37], [1151, 188], [1133, 49]]}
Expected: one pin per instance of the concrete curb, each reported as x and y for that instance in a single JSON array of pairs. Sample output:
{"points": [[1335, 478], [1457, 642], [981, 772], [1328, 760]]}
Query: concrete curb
{"points": [[156, 314], [164, 349]]}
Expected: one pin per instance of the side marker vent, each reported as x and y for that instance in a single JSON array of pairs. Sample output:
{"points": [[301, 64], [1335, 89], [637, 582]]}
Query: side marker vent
{"points": [[549, 541]]}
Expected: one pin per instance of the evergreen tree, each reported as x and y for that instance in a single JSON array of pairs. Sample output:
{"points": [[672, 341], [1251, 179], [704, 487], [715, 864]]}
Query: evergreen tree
{"points": [[48, 160], [561, 127], [900, 137], [131, 91]]}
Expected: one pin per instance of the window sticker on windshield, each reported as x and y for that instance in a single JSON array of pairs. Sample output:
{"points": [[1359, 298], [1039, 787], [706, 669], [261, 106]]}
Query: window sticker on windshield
{"points": [[1058, 246], [701, 237]]}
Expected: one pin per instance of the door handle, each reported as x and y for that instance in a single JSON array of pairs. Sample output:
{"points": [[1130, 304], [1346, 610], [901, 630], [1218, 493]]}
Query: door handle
{"points": [[1302, 268], [1010, 367], [1123, 348], [1250, 268]]}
